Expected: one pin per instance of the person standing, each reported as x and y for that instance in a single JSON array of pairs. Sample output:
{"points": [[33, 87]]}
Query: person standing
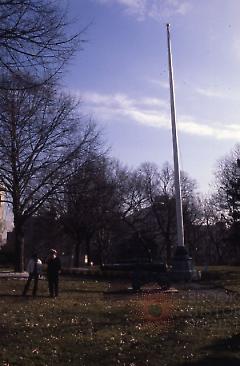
{"points": [[34, 268], [53, 269]]}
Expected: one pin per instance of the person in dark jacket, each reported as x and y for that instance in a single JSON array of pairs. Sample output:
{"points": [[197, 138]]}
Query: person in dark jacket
{"points": [[53, 269]]}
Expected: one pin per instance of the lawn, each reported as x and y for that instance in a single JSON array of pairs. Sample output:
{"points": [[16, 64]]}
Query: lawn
{"points": [[96, 323]]}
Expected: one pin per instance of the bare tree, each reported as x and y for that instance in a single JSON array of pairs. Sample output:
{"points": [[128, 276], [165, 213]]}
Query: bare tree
{"points": [[227, 197], [227, 184], [160, 198], [159, 193], [214, 246], [134, 209], [41, 133], [91, 205], [34, 38]]}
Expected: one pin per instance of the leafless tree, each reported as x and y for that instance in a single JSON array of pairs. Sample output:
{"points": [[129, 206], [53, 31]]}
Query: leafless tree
{"points": [[214, 246], [227, 185], [160, 198], [35, 38], [227, 198], [90, 206], [41, 134]]}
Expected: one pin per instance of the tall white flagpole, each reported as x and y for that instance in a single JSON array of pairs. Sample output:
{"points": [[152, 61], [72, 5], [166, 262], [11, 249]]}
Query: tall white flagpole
{"points": [[178, 195]]}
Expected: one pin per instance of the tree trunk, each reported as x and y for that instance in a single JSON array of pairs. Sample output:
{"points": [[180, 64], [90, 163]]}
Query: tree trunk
{"points": [[88, 252], [168, 251], [76, 254], [19, 246], [100, 253]]}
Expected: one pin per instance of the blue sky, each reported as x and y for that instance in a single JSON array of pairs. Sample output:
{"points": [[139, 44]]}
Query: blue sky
{"points": [[121, 77]]}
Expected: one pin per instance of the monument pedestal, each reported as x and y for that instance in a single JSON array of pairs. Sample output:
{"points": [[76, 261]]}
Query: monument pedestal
{"points": [[182, 266]]}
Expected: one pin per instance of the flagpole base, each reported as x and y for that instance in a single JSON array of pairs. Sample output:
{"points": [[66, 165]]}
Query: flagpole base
{"points": [[182, 266]]}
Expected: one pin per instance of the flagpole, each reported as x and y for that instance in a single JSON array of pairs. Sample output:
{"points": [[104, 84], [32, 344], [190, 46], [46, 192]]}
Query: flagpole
{"points": [[182, 268], [178, 195]]}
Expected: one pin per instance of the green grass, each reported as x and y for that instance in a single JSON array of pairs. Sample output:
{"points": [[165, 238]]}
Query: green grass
{"points": [[88, 326]]}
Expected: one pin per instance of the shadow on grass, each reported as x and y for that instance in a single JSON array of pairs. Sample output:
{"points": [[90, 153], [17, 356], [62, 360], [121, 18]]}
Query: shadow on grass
{"points": [[129, 290], [20, 296], [10, 295], [225, 348], [70, 290], [228, 344], [210, 361], [5, 335]]}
